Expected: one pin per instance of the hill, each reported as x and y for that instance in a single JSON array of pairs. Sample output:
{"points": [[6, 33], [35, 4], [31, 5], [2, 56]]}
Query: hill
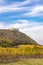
{"points": [[13, 37]]}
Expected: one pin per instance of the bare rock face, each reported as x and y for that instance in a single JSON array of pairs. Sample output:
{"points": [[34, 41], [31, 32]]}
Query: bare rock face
{"points": [[13, 37]]}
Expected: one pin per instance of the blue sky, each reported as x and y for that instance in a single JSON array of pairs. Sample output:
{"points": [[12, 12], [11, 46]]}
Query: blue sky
{"points": [[27, 15]]}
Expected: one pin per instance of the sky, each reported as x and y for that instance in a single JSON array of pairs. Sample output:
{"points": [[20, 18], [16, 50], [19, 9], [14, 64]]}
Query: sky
{"points": [[25, 15]]}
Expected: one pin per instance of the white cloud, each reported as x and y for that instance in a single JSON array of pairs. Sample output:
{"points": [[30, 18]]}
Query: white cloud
{"points": [[15, 6], [35, 11], [9, 8], [18, 4], [1, 25], [27, 2], [19, 24], [24, 24]]}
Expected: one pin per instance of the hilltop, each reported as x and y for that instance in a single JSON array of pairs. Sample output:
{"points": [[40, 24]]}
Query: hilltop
{"points": [[13, 37]]}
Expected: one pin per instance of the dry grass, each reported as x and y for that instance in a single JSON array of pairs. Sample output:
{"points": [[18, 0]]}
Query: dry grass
{"points": [[27, 62]]}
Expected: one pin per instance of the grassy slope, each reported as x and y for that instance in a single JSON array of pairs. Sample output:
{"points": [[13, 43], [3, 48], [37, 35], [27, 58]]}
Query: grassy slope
{"points": [[27, 62], [10, 38]]}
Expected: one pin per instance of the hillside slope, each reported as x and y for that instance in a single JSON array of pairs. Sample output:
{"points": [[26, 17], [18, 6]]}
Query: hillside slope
{"points": [[11, 38]]}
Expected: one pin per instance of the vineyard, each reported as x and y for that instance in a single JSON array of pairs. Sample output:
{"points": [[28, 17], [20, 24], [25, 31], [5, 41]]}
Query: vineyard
{"points": [[22, 51]]}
